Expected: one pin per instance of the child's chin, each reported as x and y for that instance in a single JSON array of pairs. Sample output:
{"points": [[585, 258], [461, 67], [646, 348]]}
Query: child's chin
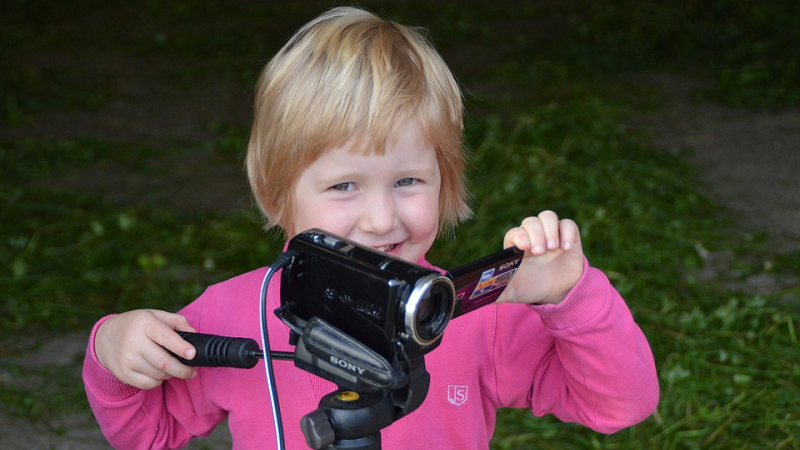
{"points": [[409, 255]]}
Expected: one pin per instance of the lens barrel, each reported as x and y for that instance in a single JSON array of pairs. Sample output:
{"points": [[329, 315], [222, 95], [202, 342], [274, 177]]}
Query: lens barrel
{"points": [[428, 309]]}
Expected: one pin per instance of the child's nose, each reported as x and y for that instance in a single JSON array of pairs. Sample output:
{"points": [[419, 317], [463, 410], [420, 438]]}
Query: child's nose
{"points": [[379, 215]]}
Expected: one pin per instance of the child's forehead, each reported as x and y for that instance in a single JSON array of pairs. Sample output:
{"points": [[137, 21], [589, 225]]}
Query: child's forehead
{"points": [[407, 151], [401, 137], [344, 163]]}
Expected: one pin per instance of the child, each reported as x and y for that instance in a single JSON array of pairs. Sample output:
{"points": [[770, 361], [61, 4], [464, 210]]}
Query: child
{"points": [[358, 128]]}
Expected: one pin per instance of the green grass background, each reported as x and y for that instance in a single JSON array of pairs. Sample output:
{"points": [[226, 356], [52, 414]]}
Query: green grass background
{"points": [[548, 97]]}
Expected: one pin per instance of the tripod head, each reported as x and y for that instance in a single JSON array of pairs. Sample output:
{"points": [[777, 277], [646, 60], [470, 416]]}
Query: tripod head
{"points": [[353, 420]]}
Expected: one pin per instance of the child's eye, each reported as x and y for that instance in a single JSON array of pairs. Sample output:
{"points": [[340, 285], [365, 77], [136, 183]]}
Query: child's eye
{"points": [[407, 182], [343, 187]]}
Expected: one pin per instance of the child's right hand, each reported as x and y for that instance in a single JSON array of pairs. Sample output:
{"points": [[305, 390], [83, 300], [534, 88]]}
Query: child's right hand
{"points": [[132, 347]]}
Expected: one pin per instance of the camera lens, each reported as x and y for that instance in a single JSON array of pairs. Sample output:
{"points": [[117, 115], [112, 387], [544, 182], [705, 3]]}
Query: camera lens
{"points": [[429, 309], [430, 314], [426, 310]]}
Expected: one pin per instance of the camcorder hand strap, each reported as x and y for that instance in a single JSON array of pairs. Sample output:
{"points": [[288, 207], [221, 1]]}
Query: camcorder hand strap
{"points": [[326, 351]]}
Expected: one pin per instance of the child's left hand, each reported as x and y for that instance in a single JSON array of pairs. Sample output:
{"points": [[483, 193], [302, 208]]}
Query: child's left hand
{"points": [[553, 261]]}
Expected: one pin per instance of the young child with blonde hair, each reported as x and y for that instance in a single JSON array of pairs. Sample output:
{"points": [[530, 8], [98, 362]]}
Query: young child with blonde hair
{"points": [[358, 131]]}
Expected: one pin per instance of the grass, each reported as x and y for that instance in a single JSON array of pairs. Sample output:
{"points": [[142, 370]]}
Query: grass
{"points": [[546, 129]]}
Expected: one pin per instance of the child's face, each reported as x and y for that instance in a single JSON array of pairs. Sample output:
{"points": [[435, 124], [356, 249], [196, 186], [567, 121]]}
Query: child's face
{"points": [[388, 202]]}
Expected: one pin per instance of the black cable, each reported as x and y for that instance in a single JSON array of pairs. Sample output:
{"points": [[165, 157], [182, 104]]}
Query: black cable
{"points": [[282, 261]]}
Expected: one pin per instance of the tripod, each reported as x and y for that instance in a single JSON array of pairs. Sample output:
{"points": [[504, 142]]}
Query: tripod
{"points": [[348, 419]]}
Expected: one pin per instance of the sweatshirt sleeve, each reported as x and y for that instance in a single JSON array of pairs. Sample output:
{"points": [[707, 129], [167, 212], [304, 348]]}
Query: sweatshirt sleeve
{"points": [[595, 366], [130, 418]]}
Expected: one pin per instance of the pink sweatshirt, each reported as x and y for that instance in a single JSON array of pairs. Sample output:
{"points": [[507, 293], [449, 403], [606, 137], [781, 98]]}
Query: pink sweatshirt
{"points": [[584, 360]]}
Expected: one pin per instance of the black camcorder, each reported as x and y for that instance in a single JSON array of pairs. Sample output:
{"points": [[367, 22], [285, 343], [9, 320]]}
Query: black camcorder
{"points": [[380, 300]]}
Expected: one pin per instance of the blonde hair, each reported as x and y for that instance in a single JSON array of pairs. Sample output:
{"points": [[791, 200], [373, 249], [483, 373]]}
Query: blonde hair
{"points": [[350, 75]]}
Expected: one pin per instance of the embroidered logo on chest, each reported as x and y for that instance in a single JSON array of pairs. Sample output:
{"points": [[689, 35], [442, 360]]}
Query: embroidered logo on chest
{"points": [[457, 394]]}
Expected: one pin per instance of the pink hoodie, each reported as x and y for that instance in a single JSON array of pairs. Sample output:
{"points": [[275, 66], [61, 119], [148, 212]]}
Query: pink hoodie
{"points": [[584, 360]]}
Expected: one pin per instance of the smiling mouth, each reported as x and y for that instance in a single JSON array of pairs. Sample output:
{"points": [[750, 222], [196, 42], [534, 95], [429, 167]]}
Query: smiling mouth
{"points": [[386, 248]]}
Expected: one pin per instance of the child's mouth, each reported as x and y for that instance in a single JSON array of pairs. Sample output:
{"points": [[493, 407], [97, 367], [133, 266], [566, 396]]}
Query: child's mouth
{"points": [[386, 248]]}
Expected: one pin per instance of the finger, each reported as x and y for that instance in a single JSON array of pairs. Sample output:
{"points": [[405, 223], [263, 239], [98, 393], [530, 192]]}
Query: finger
{"points": [[550, 227], [570, 235], [517, 237], [138, 372], [160, 365], [175, 321], [535, 231], [162, 334], [149, 377], [171, 340]]}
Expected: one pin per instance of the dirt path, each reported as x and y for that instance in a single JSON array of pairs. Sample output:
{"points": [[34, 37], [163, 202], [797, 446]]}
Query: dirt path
{"points": [[749, 160]]}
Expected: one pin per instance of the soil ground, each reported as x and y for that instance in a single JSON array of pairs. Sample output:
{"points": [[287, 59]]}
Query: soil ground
{"points": [[748, 160]]}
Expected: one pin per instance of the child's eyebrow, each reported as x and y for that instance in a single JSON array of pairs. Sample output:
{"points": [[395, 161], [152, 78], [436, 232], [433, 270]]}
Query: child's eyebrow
{"points": [[421, 172], [332, 174]]}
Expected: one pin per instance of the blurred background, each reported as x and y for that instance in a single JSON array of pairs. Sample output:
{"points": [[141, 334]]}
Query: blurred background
{"points": [[669, 131]]}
